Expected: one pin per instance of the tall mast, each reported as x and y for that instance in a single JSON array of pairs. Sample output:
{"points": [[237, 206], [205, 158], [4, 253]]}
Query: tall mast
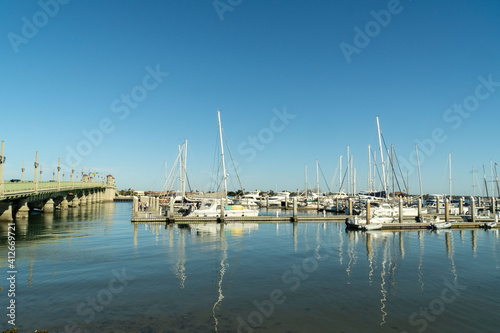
{"points": [[485, 183], [419, 175], [496, 179], [340, 173], [449, 162], [369, 169], [353, 174], [491, 173], [184, 169], [393, 172], [222, 156], [381, 156], [317, 178], [348, 171], [473, 187]]}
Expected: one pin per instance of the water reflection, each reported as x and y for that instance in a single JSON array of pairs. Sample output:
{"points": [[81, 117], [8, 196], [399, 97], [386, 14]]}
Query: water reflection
{"points": [[378, 275], [223, 266], [421, 261]]}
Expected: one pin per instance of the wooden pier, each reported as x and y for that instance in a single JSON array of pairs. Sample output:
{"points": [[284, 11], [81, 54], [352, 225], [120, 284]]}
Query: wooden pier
{"points": [[405, 225]]}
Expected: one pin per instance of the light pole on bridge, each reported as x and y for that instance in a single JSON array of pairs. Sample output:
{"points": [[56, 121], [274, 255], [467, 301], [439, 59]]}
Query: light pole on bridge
{"points": [[58, 174], [22, 173], [35, 182], [2, 161]]}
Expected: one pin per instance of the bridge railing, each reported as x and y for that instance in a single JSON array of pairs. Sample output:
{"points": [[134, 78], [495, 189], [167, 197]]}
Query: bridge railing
{"points": [[10, 187]]}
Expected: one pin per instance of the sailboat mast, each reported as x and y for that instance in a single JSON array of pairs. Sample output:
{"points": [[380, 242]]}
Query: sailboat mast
{"points": [[184, 162], [381, 156], [340, 173], [348, 171], [491, 173], [369, 169], [449, 162], [485, 183], [222, 155], [473, 185], [419, 175], [496, 179], [317, 178]]}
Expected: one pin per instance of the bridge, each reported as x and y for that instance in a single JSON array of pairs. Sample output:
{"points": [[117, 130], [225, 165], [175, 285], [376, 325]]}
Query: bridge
{"points": [[19, 197]]}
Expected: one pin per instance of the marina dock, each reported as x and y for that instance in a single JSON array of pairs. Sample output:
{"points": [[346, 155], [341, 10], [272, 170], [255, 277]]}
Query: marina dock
{"points": [[409, 224]]}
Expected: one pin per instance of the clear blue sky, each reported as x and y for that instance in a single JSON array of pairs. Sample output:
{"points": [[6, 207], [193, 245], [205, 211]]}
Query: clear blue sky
{"points": [[143, 76]]}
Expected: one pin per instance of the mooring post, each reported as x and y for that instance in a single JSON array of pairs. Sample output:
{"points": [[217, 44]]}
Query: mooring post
{"points": [[447, 210], [419, 208], [400, 210], [222, 203], [350, 207], [472, 209], [368, 215], [337, 204], [294, 209], [171, 207], [437, 206], [461, 207], [135, 206], [493, 204], [267, 202]]}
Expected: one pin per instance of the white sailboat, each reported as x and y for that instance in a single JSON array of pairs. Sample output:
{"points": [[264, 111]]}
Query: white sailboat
{"points": [[212, 207]]}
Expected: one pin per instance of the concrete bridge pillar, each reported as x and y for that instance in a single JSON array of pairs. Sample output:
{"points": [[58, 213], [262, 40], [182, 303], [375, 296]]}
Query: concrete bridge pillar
{"points": [[89, 199], [6, 211], [94, 197], [48, 207], [63, 205], [23, 211], [83, 200], [74, 202]]}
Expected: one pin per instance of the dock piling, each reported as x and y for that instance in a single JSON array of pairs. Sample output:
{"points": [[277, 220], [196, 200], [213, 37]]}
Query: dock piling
{"points": [[400, 210], [472, 210], [368, 215], [294, 209], [447, 210], [419, 208]]}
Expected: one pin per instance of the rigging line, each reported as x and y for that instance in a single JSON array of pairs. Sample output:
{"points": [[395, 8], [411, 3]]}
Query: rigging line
{"points": [[378, 172], [399, 167], [345, 174], [392, 165], [189, 184], [234, 165], [335, 175], [324, 178]]}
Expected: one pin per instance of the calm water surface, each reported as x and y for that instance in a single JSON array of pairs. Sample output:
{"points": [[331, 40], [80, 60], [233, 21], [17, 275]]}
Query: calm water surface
{"points": [[91, 270]]}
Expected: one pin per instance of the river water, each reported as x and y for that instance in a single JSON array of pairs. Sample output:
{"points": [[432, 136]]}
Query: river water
{"points": [[92, 270]]}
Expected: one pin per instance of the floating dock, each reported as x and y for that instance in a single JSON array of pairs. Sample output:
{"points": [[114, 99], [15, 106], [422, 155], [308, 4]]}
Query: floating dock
{"points": [[148, 218]]}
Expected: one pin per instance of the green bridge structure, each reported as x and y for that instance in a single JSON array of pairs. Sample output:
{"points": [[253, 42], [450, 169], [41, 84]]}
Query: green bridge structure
{"points": [[19, 197]]}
